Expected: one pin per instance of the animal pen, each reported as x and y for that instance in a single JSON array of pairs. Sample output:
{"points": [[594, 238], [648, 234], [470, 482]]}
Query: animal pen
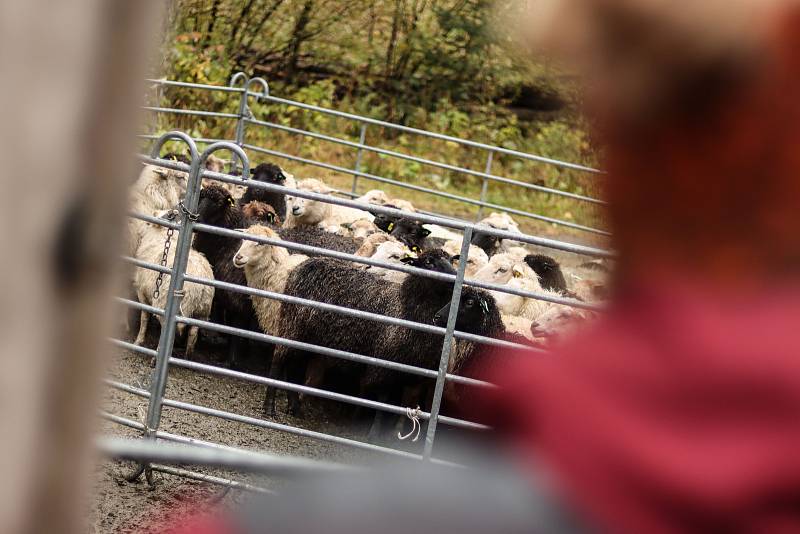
{"points": [[151, 452]]}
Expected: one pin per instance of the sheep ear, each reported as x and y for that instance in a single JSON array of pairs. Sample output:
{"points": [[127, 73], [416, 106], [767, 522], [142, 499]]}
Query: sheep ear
{"points": [[425, 232], [457, 257], [408, 260]]}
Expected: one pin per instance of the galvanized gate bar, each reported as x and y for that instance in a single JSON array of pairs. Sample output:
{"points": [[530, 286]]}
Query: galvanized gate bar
{"points": [[486, 175], [178, 275], [384, 124], [448, 342]]}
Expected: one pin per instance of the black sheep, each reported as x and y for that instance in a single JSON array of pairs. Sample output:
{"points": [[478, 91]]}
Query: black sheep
{"points": [[334, 282], [385, 222], [317, 237], [272, 174], [218, 208], [489, 243], [477, 314], [419, 299], [409, 232], [550, 275]]}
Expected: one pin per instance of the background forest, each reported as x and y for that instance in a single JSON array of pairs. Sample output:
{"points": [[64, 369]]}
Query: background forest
{"points": [[441, 65]]}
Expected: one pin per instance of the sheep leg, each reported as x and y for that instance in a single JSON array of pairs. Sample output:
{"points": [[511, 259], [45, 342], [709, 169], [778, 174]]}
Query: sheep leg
{"points": [[191, 341], [375, 431], [315, 375], [276, 369], [144, 318]]}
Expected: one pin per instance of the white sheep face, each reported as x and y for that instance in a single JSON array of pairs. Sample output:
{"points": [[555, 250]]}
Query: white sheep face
{"points": [[250, 252], [297, 206], [558, 320], [498, 270]]}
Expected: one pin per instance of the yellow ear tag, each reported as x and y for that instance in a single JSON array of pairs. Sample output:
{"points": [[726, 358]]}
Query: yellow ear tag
{"points": [[517, 274], [391, 225], [416, 249], [231, 202]]}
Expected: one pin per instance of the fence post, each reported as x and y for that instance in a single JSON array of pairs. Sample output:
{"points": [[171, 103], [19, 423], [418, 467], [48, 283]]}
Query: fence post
{"points": [[244, 110], [485, 184], [172, 306], [444, 362], [362, 137]]}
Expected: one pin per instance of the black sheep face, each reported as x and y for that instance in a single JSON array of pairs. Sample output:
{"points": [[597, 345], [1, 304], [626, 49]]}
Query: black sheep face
{"points": [[548, 270], [384, 222], [269, 172], [214, 204], [432, 260], [174, 156], [489, 243], [411, 233], [477, 313]]}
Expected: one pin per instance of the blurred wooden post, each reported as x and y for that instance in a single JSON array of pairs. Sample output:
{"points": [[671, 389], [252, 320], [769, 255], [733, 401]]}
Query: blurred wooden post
{"points": [[70, 80]]}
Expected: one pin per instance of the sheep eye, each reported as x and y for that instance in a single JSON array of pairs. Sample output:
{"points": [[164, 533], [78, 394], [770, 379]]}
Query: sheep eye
{"points": [[470, 302], [503, 271]]}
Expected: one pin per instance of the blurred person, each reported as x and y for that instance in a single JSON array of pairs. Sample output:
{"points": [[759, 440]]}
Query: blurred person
{"points": [[678, 410]]}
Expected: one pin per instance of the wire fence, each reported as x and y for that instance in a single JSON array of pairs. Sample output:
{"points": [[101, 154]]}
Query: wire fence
{"points": [[150, 456]]}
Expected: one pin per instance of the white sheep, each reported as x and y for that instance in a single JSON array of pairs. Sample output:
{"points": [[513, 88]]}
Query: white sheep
{"points": [[499, 221], [500, 268], [477, 260], [518, 325], [266, 267], [559, 320], [374, 196], [371, 243], [359, 229], [390, 252], [156, 189], [197, 299], [380, 198], [330, 217]]}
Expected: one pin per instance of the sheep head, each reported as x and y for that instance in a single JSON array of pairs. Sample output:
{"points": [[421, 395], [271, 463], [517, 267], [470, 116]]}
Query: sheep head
{"points": [[409, 232], [216, 205], [261, 211], [477, 314], [499, 270], [250, 252], [431, 260], [548, 270], [307, 211]]}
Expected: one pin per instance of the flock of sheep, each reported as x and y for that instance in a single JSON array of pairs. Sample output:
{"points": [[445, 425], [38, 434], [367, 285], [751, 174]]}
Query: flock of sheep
{"points": [[403, 240]]}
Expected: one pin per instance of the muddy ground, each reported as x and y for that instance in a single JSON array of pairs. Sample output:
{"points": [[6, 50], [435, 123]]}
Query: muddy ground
{"points": [[120, 506]]}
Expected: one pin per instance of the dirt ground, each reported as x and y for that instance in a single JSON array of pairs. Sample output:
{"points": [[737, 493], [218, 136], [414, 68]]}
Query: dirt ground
{"points": [[120, 506]]}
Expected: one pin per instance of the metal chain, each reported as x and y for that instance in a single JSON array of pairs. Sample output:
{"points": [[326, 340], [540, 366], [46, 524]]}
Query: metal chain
{"points": [[192, 216], [165, 255]]}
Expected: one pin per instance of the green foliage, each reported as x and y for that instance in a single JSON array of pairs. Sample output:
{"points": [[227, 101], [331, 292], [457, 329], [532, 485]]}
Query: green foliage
{"points": [[430, 64]]}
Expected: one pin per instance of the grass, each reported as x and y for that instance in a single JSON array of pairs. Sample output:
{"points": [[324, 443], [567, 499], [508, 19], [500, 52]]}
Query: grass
{"points": [[552, 140]]}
